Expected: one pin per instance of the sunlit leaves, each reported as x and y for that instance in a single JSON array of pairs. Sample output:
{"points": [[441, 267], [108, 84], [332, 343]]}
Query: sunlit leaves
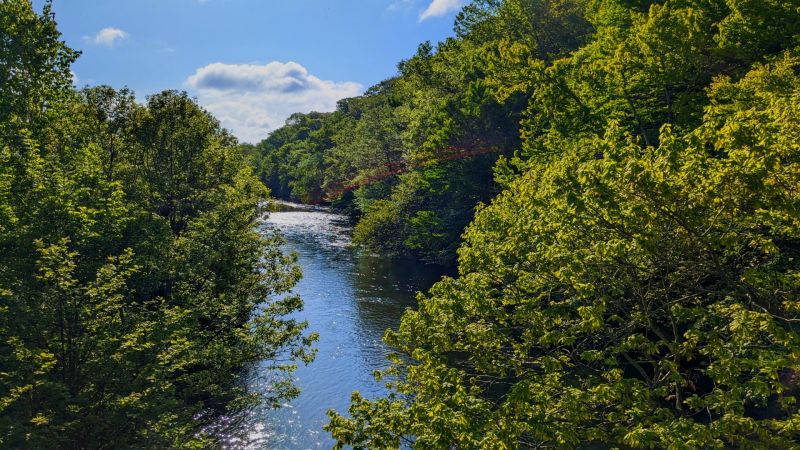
{"points": [[620, 296], [134, 285]]}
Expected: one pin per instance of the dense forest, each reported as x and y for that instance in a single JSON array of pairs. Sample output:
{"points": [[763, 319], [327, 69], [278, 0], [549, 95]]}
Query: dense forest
{"points": [[130, 265], [634, 280], [617, 182], [410, 159]]}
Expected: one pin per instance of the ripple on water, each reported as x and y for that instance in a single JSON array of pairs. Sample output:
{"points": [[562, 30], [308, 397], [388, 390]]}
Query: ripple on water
{"points": [[350, 299]]}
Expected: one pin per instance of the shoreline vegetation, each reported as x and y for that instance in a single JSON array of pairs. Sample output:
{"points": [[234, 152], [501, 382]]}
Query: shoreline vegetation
{"points": [[131, 269], [617, 182]]}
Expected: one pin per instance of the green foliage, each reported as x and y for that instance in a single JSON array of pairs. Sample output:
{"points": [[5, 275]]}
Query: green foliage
{"points": [[635, 283], [421, 143], [34, 65], [381, 227], [291, 158], [134, 286], [644, 299]]}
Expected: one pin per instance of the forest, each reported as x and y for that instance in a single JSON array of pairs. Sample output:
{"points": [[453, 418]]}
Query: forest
{"points": [[617, 183], [130, 265]]}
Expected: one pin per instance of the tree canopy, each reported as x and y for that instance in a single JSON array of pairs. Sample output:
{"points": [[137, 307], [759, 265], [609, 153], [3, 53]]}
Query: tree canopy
{"points": [[134, 285], [635, 282], [617, 181]]}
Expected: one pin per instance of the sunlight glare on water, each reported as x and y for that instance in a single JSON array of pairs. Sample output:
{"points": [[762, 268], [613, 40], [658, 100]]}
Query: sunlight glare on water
{"points": [[350, 299]]}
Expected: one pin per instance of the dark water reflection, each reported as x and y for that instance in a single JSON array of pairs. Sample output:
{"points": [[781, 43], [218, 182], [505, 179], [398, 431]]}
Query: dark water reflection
{"points": [[350, 298]]}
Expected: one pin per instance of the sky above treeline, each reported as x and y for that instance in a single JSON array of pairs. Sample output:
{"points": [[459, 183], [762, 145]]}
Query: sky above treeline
{"points": [[251, 63]]}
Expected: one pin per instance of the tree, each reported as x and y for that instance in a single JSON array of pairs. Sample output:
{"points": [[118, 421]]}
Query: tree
{"points": [[620, 296], [134, 285], [34, 65]]}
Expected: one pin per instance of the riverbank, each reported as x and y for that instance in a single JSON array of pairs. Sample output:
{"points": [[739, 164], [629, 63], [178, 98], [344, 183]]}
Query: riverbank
{"points": [[350, 298]]}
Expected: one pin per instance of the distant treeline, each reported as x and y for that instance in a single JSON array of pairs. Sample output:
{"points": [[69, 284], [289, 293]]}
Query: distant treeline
{"points": [[411, 158]]}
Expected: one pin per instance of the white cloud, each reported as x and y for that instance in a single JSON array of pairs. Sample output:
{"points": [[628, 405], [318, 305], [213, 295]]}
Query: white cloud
{"points": [[107, 37], [251, 99], [439, 8], [400, 5]]}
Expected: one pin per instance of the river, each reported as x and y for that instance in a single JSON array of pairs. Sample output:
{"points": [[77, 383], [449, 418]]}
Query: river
{"points": [[350, 299]]}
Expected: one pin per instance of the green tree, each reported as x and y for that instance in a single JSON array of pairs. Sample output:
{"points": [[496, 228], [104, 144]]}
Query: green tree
{"points": [[134, 285], [643, 298]]}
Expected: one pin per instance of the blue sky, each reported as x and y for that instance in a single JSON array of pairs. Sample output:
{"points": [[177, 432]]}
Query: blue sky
{"points": [[250, 62]]}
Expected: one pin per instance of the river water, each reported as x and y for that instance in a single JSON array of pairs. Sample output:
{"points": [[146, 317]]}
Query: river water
{"points": [[350, 299]]}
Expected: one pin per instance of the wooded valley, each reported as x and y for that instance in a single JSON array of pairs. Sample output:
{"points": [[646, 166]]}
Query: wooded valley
{"points": [[616, 181]]}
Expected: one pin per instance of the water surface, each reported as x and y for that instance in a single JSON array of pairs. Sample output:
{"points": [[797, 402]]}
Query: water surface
{"points": [[350, 298]]}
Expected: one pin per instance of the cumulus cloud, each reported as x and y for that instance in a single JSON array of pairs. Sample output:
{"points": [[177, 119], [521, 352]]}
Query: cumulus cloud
{"points": [[251, 99], [439, 8], [107, 37]]}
